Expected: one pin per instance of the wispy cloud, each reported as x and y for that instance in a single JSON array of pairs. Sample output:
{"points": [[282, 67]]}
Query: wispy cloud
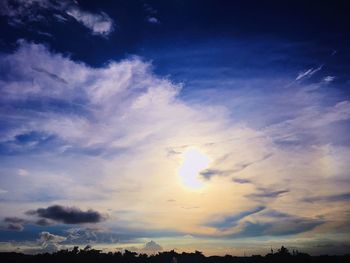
{"points": [[267, 193]]}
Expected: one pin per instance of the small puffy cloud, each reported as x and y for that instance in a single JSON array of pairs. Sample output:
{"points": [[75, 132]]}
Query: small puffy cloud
{"points": [[153, 20], [328, 79], [68, 215]]}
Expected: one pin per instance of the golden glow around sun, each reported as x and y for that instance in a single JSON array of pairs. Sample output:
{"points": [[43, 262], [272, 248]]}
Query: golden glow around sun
{"points": [[193, 162]]}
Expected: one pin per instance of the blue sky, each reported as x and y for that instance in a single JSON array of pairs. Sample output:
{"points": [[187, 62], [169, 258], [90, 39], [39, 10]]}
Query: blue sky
{"points": [[190, 125]]}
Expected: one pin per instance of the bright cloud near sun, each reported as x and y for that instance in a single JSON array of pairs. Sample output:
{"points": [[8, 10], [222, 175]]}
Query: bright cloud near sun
{"points": [[193, 163]]}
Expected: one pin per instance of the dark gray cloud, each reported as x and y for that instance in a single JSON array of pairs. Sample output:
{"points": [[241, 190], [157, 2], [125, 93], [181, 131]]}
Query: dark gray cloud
{"points": [[68, 215], [329, 198]]}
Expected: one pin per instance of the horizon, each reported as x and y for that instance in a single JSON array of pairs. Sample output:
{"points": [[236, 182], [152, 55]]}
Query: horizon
{"points": [[149, 125]]}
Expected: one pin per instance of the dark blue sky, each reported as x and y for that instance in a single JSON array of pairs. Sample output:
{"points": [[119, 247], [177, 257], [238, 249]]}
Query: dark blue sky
{"points": [[307, 31]]}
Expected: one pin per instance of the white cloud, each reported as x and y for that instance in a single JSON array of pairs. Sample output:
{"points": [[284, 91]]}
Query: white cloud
{"points": [[99, 24]]}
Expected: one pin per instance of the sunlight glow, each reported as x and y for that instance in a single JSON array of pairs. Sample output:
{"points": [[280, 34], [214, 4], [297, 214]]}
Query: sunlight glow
{"points": [[193, 162]]}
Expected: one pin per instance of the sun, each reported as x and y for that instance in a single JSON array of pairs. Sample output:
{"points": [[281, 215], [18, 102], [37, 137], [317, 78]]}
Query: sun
{"points": [[193, 162]]}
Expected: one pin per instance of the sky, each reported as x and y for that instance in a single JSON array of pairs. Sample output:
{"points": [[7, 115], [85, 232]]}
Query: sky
{"points": [[218, 126]]}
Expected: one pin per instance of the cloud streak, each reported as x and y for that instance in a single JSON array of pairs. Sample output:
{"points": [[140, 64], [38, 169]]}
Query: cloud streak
{"points": [[308, 73]]}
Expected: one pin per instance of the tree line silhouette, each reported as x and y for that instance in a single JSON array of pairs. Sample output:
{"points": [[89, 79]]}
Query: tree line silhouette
{"points": [[89, 254]]}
